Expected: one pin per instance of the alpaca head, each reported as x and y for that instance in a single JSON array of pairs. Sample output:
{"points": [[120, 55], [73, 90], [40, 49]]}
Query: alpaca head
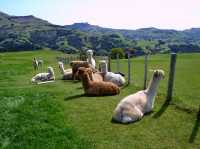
{"points": [[83, 71], [51, 71], [60, 64], [158, 74], [103, 66], [89, 52]]}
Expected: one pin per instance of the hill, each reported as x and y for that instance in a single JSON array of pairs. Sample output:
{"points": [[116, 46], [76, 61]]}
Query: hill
{"points": [[31, 33]]}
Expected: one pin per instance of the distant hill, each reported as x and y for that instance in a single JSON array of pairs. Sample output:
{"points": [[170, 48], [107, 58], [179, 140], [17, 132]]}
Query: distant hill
{"points": [[31, 33], [141, 34]]}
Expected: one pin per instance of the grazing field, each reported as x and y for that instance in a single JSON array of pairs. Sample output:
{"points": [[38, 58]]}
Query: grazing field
{"points": [[58, 115]]}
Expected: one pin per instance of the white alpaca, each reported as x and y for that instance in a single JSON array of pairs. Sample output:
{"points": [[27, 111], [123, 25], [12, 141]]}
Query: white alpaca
{"points": [[67, 73], [133, 107], [90, 59], [42, 77], [110, 76]]}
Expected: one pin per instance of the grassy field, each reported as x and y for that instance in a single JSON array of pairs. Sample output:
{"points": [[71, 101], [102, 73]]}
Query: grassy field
{"points": [[57, 115]]}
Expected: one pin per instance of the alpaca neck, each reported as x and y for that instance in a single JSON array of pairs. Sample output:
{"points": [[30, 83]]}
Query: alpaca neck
{"points": [[62, 69], [152, 90], [104, 69], [85, 81], [90, 59]]}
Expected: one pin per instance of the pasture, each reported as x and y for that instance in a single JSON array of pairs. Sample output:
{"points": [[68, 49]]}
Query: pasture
{"points": [[58, 115]]}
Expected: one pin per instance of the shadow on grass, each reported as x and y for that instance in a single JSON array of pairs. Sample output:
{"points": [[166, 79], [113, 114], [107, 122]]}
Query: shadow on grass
{"points": [[125, 86], [195, 128], [83, 95], [162, 109], [74, 97]]}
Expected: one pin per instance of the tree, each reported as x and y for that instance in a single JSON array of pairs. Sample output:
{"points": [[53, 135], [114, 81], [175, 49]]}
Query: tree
{"points": [[116, 51]]}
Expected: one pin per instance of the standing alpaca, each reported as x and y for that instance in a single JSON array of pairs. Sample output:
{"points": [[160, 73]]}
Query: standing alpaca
{"points": [[46, 76], [94, 88], [110, 76], [37, 63], [90, 59], [67, 73], [133, 107]]}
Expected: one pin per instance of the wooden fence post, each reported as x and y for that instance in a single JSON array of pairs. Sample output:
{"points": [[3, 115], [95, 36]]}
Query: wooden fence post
{"points": [[109, 63], [171, 76], [145, 71], [117, 56], [129, 69]]}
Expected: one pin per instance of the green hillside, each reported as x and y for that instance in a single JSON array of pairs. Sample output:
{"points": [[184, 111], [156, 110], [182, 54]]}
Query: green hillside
{"points": [[57, 115], [19, 33]]}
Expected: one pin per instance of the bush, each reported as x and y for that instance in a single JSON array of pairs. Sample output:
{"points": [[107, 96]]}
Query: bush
{"points": [[116, 51]]}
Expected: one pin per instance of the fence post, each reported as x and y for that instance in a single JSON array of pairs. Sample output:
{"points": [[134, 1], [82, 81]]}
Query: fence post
{"points": [[171, 76], [145, 70], [117, 56], [109, 63], [129, 69]]}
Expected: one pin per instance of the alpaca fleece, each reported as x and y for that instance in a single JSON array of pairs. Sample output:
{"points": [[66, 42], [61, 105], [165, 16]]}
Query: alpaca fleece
{"points": [[75, 65], [94, 76], [37, 63], [133, 107], [110, 76], [94, 88], [90, 59], [41, 77], [67, 73]]}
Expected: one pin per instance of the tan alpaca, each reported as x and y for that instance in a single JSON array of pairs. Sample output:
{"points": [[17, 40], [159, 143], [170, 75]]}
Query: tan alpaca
{"points": [[133, 107], [94, 88]]}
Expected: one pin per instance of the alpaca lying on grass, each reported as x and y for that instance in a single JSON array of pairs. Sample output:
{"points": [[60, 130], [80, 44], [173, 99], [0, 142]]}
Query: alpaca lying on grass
{"points": [[110, 76], [90, 59], [133, 107], [37, 63], [67, 73], [94, 75], [42, 77], [75, 65], [94, 88]]}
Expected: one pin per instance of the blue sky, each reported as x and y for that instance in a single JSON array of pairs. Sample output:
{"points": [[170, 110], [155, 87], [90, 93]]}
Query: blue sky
{"points": [[126, 14]]}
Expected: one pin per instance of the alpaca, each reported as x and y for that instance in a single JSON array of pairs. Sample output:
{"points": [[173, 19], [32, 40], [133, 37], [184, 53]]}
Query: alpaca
{"points": [[90, 59], [94, 75], [133, 107], [67, 73], [110, 76], [94, 88], [46, 76], [37, 63], [75, 65]]}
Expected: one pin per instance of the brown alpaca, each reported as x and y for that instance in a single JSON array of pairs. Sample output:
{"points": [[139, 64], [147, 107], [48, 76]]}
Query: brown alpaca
{"points": [[94, 76], [94, 88], [75, 65]]}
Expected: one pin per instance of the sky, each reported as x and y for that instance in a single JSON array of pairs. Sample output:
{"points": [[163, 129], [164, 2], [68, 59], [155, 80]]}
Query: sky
{"points": [[119, 14]]}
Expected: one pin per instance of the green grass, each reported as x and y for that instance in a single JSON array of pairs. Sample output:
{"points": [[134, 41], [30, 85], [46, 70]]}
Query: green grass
{"points": [[56, 115]]}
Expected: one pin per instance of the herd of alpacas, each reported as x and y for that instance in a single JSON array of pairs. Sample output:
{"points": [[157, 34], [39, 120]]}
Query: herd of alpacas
{"points": [[104, 83]]}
